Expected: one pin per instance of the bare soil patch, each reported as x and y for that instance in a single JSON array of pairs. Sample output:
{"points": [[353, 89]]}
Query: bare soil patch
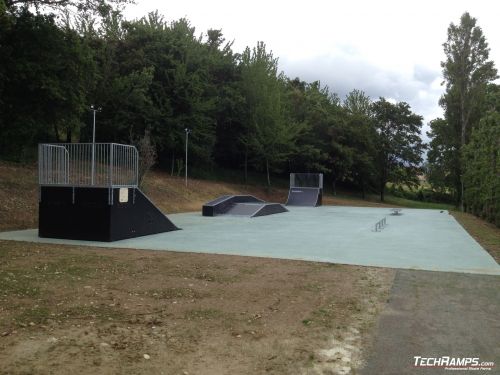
{"points": [[89, 310]]}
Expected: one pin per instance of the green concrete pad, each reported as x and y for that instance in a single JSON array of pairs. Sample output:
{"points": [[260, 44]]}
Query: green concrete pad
{"points": [[417, 239]]}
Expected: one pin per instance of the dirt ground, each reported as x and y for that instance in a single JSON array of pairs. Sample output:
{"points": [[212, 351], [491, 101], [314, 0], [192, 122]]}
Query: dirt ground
{"points": [[89, 310]]}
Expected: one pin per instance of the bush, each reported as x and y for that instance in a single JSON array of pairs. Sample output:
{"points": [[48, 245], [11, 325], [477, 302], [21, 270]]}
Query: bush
{"points": [[421, 194]]}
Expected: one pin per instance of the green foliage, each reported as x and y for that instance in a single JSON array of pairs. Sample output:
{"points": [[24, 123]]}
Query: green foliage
{"points": [[420, 194], [464, 147], [269, 135], [158, 78], [399, 145], [45, 72], [361, 137], [467, 72], [443, 158], [358, 103], [482, 164]]}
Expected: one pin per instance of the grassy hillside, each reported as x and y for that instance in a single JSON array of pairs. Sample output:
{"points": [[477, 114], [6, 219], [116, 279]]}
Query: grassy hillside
{"points": [[18, 196]]}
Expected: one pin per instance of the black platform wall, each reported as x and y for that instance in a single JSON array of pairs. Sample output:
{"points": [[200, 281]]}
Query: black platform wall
{"points": [[85, 214]]}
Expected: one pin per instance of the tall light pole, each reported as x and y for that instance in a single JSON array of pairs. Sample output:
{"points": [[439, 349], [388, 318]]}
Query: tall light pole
{"points": [[94, 110], [186, 169]]}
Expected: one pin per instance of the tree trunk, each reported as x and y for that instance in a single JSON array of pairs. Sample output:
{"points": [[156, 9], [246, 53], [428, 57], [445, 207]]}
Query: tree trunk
{"points": [[334, 187], [68, 136], [173, 164], [246, 165], [267, 171], [56, 132], [363, 193], [382, 190], [462, 138], [462, 203]]}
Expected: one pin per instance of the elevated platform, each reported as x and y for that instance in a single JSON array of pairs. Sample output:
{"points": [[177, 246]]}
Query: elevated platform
{"points": [[305, 196], [241, 205], [98, 214]]}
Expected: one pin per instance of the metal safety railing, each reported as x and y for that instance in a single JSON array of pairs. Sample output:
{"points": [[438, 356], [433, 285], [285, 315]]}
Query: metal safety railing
{"points": [[88, 164], [379, 225], [312, 180]]}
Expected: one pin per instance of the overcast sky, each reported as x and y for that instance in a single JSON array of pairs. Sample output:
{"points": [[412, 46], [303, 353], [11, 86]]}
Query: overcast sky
{"points": [[385, 48]]}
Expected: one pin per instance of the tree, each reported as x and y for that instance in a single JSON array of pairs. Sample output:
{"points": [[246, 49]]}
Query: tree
{"points": [[269, 135], [357, 103], [399, 144], [361, 140], [466, 71], [147, 155], [101, 7], [225, 76], [311, 105], [443, 160], [45, 72], [482, 162]]}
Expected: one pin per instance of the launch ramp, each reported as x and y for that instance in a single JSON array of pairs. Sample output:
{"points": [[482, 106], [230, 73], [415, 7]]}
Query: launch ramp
{"points": [[89, 191], [241, 205]]}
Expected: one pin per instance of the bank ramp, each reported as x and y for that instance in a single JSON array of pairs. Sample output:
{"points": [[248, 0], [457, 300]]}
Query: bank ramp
{"points": [[241, 205]]}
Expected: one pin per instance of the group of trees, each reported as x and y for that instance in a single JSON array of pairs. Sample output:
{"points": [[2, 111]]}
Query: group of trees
{"points": [[464, 154], [154, 78]]}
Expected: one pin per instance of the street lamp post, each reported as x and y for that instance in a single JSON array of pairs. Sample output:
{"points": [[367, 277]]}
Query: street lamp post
{"points": [[94, 110], [186, 167]]}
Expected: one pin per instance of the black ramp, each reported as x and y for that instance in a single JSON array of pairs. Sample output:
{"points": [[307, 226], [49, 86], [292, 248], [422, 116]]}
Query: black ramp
{"points": [[304, 196], [241, 205], [244, 209], [269, 209], [256, 209], [138, 217], [222, 204]]}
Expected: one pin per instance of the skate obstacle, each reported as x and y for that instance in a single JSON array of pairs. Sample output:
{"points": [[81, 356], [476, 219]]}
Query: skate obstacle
{"points": [[241, 205], [306, 189], [89, 191]]}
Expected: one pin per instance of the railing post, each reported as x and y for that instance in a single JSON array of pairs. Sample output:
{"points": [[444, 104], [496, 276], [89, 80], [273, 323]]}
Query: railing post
{"points": [[111, 161]]}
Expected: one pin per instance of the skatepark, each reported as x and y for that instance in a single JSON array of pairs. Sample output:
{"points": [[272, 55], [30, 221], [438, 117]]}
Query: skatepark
{"points": [[113, 212], [416, 239]]}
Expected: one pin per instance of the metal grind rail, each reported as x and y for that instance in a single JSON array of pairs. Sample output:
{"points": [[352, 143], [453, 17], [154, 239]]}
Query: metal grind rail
{"points": [[381, 224]]}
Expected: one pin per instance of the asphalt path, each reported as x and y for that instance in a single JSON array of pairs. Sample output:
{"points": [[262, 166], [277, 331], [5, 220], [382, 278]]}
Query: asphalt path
{"points": [[435, 314]]}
